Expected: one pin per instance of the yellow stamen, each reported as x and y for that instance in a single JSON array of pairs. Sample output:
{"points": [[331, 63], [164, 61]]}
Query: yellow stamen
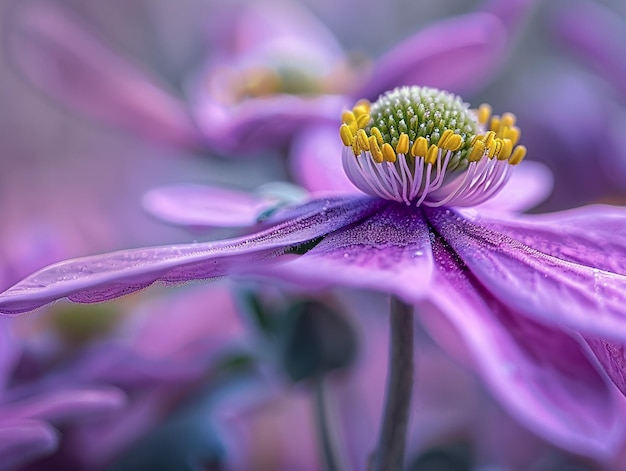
{"points": [[377, 154], [431, 155], [476, 151], [518, 155], [513, 134], [444, 138], [495, 123], [362, 139], [353, 127], [355, 147], [362, 107], [507, 148], [484, 112], [454, 143], [403, 144], [379, 137], [362, 120], [508, 119], [488, 139], [346, 135], [420, 147], [388, 153], [347, 117]]}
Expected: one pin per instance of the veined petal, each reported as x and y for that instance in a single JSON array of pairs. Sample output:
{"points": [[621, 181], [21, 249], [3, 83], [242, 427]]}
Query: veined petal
{"points": [[24, 440], [612, 357], [204, 206], [387, 251], [104, 277], [539, 373], [566, 269], [61, 57], [473, 43]]}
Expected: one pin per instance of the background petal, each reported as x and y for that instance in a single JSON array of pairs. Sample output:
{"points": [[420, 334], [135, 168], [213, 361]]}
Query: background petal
{"points": [[24, 440], [203, 206], [473, 44], [62, 58]]}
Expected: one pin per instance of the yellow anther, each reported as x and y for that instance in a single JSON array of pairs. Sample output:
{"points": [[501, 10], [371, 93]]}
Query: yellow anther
{"points": [[518, 155], [346, 135], [476, 151], [355, 147], [444, 138], [497, 146], [379, 137], [389, 154], [494, 125], [454, 143], [513, 134], [484, 113], [377, 154], [362, 107], [420, 147], [403, 144], [508, 119], [353, 127], [347, 117], [432, 154], [507, 148], [474, 139], [362, 139], [488, 139], [362, 120]]}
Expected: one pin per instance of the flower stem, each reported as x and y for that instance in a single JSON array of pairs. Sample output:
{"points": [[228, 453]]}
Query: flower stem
{"points": [[331, 451], [389, 454]]}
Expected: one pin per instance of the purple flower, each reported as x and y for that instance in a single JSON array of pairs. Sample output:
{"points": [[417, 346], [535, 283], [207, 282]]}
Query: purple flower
{"points": [[568, 130], [538, 300], [274, 70]]}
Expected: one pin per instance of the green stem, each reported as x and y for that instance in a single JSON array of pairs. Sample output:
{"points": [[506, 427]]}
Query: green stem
{"points": [[327, 433], [389, 454]]}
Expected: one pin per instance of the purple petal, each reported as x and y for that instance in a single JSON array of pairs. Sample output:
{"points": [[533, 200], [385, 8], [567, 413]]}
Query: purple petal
{"points": [[315, 159], [530, 184], [65, 405], [264, 122], [204, 206], [457, 54], [567, 268], [389, 251], [104, 277], [539, 373], [62, 58], [612, 357], [22, 441], [597, 35]]}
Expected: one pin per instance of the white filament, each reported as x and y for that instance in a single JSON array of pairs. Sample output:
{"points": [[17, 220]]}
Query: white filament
{"points": [[413, 181]]}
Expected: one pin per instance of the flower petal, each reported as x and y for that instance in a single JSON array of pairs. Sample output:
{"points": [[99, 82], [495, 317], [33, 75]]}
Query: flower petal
{"points": [[62, 58], [612, 357], [104, 277], [315, 160], [568, 268], [69, 404], [204, 206], [22, 441], [539, 373], [596, 34], [457, 54], [388, 251]]}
